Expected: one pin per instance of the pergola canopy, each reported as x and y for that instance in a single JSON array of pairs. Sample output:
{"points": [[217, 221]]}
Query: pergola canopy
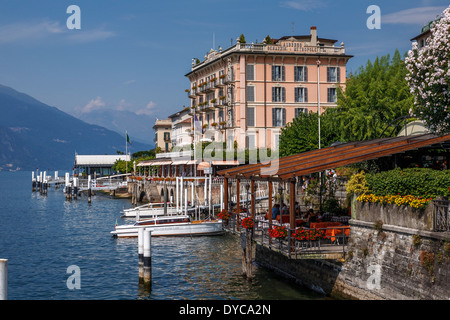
{"points": [[287, 168]]}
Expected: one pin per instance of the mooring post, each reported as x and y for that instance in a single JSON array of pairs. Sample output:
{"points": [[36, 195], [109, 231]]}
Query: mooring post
{"points": [[75, 187], [247, 251], [33, 182], [3, 279], [141, 253], [89, 189], [147, 257], [177, 192], [41, 184], [185, 200]]}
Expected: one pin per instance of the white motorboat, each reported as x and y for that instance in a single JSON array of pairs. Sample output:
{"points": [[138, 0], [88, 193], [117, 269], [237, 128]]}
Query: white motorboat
{"points": [[175, 225], [149, 210]]}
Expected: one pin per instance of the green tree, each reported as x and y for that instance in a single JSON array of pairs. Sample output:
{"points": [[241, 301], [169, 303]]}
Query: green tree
{"points": [[242, 38], [373, 98], [302, 134]]}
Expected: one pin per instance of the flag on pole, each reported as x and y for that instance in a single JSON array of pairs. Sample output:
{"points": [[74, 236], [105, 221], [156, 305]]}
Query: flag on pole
{"points": [[197, 123], [128, 139]]}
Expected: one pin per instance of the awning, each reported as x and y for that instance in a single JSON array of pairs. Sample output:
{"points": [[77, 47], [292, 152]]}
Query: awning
{"points": [[192, 162], [332, 157], [226, 163], [179, 162], [203, 165]]}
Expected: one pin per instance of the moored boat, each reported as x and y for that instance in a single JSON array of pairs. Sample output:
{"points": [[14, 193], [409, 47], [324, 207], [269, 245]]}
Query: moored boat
{"points": [[176, 225], [149, 210]]}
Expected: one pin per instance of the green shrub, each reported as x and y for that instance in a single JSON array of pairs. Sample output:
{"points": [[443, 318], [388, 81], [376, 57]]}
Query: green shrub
{"points": [[419, 182]]}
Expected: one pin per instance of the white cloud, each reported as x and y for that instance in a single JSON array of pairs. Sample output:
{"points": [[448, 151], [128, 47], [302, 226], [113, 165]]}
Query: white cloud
{"points": [[123, 105], [29, 31], [87, 35], [303, 5], [420, 15], [94, 104], [129, 82], [148, 110]]}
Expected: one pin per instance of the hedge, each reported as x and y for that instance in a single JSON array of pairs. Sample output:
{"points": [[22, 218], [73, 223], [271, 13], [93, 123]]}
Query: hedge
{"points": [[417, 182]]}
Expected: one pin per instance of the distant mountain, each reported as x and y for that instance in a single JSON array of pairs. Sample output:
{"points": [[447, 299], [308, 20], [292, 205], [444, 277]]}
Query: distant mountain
{"points": [[35, 135], [139, 127]]}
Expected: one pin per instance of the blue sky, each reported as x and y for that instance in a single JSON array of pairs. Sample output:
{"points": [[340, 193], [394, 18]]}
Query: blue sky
{"points": [[133, 55]]}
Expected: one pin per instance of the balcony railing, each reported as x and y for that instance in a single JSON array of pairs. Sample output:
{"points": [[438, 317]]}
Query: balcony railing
{"points": [[269, 48]]}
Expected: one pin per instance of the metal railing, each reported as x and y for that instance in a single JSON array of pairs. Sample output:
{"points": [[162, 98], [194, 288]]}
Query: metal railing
{"points": [[333, 243], [441, 215]]}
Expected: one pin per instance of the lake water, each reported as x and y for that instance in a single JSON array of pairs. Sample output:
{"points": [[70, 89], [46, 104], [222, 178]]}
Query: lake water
{"points": [[41, 236]]}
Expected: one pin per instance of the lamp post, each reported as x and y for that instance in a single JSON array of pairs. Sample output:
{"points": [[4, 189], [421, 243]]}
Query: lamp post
{"points": [[318, 94]]}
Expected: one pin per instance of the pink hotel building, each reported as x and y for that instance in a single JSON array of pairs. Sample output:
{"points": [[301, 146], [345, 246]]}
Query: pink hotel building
{"points": [[248, 92]]}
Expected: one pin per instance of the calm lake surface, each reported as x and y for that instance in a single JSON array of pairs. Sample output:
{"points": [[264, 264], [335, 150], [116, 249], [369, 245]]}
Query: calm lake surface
{"points": [[41, 236]]}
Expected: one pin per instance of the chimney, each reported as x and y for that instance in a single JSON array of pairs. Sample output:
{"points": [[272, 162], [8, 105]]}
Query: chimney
{"points": [[314, 36]]}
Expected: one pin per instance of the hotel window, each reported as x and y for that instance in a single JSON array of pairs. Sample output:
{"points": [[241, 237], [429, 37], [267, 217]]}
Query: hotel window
{"points": [[221, 72], [300, 73], [299, 111], [278, 73], [250, 117], [220, 115], [301, 95], [250, 72], [332, 96], [278, 117], [250, 93], [333, 74], [166, 136], [278, 94]]}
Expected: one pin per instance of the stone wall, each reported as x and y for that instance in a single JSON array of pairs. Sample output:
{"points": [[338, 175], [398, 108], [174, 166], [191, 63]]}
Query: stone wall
{"points": [[392, 255], [394, 262]]}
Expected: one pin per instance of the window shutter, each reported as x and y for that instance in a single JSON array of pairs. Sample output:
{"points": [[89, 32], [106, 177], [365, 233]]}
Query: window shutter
{"points": [[273, 73], [305, 73], [328, 95], [283, 120], [305, 95], [250, 117], [297, 94], [250, 93], [273, 94], [328, 75], [296, 73], [274, 117], [282, 73], [338, 74], [283, 94], [250, 72]]}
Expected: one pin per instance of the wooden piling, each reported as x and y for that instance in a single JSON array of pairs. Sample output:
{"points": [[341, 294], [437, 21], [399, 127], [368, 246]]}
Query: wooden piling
{"points": [[247, 253], [3, 279]]}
